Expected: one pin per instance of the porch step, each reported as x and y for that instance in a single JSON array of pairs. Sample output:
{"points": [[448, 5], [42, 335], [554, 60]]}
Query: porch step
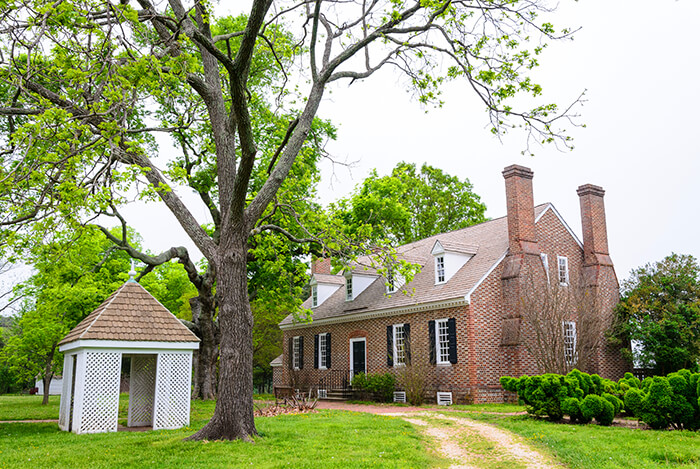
{"points": [[337, 395]]}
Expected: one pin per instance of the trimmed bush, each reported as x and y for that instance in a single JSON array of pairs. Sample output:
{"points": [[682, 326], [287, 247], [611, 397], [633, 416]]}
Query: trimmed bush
{"points": [[572, 407], [591, 407], [615, 401], [633, 401], [380, 385], [607, 412]]}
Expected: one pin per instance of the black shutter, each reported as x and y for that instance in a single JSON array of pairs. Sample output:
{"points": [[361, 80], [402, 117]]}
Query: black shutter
{"points": [[390, 345], [291, 353], [431, 341], [301, 352], [316, 351], [452, 335], [328, 350], [407, 342]]}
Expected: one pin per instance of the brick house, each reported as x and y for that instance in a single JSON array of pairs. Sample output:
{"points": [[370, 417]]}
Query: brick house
{"points": [[463, 314]]}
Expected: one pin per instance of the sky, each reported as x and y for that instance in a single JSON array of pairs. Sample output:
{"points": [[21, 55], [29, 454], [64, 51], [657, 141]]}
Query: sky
{"points": [[638, 62]]}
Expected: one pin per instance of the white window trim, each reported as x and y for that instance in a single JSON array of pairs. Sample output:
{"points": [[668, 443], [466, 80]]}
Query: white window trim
{"points": [[314, 296], [572, 359], [321, 351], [296, 352], [566, 264], [545, 264], [394, 344], [437, 342], [348, 288], [437, 272]]}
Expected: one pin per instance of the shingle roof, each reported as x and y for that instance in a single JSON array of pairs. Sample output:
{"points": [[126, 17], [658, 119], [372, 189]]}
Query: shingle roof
{"points": [[131, 314], [277, 361], [490, 240], [332, 279]]}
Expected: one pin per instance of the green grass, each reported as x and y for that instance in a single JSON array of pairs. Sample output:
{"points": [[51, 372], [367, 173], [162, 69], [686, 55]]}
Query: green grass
{"points": [[596, 447], [327, 438], [500, 408], [28, 408]]}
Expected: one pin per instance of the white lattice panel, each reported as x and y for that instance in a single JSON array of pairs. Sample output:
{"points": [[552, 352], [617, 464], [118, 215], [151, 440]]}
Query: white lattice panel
{"points": [[174, 378], [64, 409], [142, 388], [100, 406]]}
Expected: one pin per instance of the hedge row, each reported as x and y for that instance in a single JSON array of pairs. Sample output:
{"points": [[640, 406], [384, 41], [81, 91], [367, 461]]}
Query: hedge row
{"points": [[661, 402]]}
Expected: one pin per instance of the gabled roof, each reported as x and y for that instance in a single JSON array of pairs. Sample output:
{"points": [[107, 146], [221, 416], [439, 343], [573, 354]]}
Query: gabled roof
{"points": [[329, 279], [490, 240], [131, 314]]}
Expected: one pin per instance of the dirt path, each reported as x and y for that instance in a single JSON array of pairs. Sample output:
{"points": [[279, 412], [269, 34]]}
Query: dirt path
{"points": [[472, 444]]}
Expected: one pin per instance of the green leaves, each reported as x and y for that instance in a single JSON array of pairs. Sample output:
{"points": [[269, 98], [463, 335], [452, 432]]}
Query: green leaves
{"points": [[410, 205], [660, 310]]}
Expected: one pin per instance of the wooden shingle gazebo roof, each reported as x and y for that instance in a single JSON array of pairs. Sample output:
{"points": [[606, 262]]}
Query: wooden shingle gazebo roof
{"points": [[131, 314]]}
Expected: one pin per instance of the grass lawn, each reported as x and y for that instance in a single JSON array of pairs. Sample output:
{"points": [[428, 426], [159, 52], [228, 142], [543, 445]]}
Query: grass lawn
{"points": [[334, 439], [592, 446], [28, 408]]}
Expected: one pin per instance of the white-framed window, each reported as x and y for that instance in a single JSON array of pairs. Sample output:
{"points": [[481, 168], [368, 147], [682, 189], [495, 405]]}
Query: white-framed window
{"points": [[314, 296], [563, 264], [296, 352], [545, 264], [442, 342], [569, 342], [399, 345], [348, 288], [323, 351], [440, 269], [390, 281]]}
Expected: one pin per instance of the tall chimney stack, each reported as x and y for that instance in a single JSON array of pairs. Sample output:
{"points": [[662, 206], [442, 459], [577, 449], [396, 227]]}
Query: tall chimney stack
{"points": [[595, 232], [522, 237]]}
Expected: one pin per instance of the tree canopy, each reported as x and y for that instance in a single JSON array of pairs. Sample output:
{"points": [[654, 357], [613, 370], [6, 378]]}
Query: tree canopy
{"points": [[660, 311], [88, 84], [409, 205]]}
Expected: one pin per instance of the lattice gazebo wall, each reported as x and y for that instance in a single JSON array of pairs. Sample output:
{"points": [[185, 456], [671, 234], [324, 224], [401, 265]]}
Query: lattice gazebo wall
{"points": [[159, 390]]}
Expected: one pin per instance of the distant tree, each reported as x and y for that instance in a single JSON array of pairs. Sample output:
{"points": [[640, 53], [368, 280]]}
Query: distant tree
{"points": [[660, 311], [409, 205]]}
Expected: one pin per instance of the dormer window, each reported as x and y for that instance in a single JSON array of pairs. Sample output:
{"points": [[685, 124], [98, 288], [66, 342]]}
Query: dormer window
{"points": [[440, 269], [314, 296], [390, 282], [348, 288], [449, 258]]}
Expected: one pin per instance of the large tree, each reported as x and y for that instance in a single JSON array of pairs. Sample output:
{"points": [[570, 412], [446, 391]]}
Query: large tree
{"points": [[409, 205], [88, 83], [659, 314]]}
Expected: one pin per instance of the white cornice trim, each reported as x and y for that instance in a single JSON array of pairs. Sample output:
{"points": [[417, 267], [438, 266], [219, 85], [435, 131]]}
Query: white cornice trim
{"points": [[359, 316], [468, 296], [568, 228], [140, 346]]}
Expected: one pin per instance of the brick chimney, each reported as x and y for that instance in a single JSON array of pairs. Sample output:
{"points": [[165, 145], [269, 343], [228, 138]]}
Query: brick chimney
{"points": [[522, 237], [321, 266], [595, 233]]}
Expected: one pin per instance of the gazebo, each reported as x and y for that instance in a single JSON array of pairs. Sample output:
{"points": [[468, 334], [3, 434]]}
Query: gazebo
{"points": [[130, 323]]}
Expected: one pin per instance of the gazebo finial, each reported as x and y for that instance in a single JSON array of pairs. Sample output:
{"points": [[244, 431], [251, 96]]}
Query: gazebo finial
{"points": [[132, 272]]}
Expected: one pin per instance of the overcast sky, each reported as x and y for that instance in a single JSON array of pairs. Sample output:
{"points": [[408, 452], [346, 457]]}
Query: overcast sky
{"points": [[639, 62]]}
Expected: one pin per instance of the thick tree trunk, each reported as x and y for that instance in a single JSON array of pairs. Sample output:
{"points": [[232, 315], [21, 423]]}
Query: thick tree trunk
{"points": [[48, 376], [204, 379], [233, 415]]}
